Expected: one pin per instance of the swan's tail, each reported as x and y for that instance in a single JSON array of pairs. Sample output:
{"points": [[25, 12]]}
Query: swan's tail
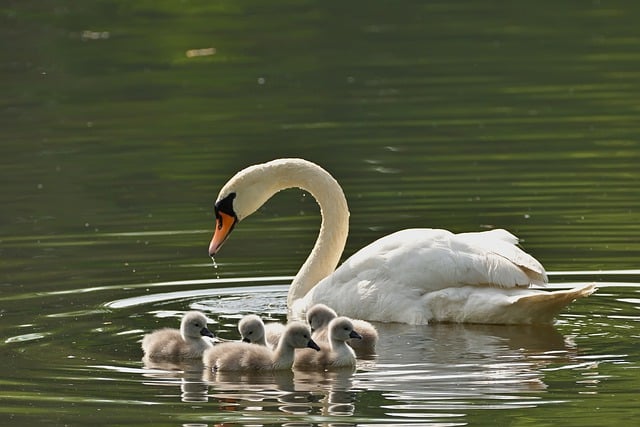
{"points": [[544, 307]]}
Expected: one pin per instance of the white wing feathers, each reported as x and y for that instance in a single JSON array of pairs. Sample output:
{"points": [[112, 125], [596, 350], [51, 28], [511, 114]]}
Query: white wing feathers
{"points": [[432, 259], [502, 243]]}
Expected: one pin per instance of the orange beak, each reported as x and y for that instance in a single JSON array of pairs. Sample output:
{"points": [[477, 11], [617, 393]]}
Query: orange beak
{"points": [[224, 225]]}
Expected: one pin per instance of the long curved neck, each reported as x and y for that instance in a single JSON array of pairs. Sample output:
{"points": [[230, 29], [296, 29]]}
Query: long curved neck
{"points": [[334, 229], [253, 186]]}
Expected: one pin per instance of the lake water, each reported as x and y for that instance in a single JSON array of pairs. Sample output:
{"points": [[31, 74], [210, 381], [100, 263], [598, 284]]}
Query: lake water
{"points": [[121, 121]]}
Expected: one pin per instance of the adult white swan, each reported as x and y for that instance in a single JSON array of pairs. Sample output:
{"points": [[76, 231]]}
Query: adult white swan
{"points": [[412, 276]]}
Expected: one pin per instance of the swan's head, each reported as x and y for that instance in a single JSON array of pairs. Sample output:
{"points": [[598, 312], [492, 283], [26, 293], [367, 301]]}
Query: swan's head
{"points": [[194, 325], [341, 329], [242, 195], [251, 329]]}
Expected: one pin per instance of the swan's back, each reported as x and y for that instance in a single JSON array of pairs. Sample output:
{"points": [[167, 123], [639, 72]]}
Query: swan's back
{"points": [[436, 259], [388, 279], [502, 243]]}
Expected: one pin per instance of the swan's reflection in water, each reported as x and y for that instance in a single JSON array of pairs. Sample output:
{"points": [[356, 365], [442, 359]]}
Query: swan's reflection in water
{"points": [[456, 367], [291, 392], [419, 372], [187, 373], [335, 388]]}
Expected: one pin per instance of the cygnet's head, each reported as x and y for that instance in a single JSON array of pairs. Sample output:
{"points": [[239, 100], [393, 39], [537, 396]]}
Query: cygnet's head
{"points": [[194, 325], [251, 328], [298, 335], [319, 316], [341, 329]]}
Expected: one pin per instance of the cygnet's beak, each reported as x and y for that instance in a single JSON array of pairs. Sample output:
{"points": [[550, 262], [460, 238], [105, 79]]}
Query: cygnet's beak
{"points": [[312, 344], [354, 334], [246, 340], [206, 332], [224, 225]]}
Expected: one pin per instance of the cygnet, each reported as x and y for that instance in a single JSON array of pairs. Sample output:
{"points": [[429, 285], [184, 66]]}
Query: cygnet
{"points": [[253, 330], [319, 316], [334, 354], [238, 356], [172, 344]]}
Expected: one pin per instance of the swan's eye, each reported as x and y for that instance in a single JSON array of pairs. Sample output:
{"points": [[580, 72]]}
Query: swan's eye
{"points": [[225, 205]]}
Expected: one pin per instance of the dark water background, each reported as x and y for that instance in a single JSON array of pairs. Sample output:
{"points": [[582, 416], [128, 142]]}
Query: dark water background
{"points": [[122, 119]]}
